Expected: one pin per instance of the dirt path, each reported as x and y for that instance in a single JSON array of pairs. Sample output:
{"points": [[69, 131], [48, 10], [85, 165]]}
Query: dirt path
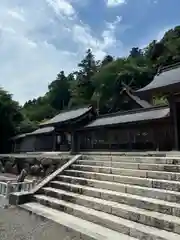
{"points": [[17, 224]]}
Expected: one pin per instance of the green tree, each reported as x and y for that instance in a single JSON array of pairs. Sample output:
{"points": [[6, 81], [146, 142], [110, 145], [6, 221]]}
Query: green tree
{"points": [[107, 59], [37, 110], [135, 52], [83, 89], [59, 92], [108, 81], [10, 118], [100, 82], [26, 126]]}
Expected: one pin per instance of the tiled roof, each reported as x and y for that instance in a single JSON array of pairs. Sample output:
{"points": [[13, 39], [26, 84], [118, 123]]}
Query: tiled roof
{"points": [[67, 115], [19, 136], [131, 117], [166, 77], [140, 102], [42, 130], [36, 132]]}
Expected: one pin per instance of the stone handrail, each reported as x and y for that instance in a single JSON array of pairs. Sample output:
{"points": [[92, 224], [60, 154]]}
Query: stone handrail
{"points": [[19, 198], [3, 188], [54, 174], [6, 188]]}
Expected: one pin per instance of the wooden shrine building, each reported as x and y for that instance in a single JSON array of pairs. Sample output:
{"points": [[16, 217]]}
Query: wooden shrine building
{"points": [[139, 126], [167, 82], [56, 134]]}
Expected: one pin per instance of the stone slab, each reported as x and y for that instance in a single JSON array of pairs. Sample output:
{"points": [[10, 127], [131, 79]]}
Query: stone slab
{"points": [[85, 228]]}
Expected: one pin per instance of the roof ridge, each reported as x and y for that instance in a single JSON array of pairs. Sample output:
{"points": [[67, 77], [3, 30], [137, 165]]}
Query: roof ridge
{"points": [[138, 100], [65, 115], [132, 111], [168, 67], [73, 109]]}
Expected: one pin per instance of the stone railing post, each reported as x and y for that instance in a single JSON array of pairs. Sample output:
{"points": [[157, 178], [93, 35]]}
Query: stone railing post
{"points": [[8, 189], [33, 183]]}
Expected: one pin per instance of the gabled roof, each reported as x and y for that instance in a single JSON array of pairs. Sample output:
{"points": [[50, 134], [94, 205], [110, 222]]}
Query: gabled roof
{"points": [[140, 102], [140, 115], [19, 136], [44, 130], [166, 77], [65, 116]]}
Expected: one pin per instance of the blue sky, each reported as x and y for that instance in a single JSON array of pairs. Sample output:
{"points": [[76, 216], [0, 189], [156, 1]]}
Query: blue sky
{"points": [[39, 38]]}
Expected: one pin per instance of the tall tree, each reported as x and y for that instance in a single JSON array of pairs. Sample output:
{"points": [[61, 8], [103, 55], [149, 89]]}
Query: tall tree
{"points": [[83, 89], [135, 52], [99, 82], [107, 59], [36, 111], [10, 119], [59, 93]]}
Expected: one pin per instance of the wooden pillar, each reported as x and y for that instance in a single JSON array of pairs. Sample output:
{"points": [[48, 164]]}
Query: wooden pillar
{"points": [[155, 138], [173, 115], [14, 148], [54, 141], [74, 143], [129, 140]]}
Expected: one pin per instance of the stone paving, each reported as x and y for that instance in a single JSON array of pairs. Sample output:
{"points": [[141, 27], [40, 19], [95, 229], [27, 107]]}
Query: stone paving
{"points": [[16, 224]]}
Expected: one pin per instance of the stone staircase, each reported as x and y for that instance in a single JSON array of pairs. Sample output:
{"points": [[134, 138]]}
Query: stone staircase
{"points": [[115, 197]]}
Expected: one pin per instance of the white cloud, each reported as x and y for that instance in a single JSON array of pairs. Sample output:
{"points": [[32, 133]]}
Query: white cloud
{"points": [[161, 33], [113, 25], [16, 14], [83, 35], [114, 3], [28, 61], [40, 38], [61, 6], [155, 35]]}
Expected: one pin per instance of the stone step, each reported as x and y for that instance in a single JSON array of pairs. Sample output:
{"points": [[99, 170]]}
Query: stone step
{"points": [[162, 194], [170, 208], [82, 229], [133, 159], [115, 223], [153, 219], [136, 153], [144, 182], [129, 165], [129, 172]]}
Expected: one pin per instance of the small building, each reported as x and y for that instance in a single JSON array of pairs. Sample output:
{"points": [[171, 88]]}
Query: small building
{"points": [[137, 126], [142, 129], [56, 134]]}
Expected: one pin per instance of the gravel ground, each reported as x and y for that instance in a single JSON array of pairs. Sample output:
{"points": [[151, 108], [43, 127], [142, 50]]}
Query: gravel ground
{"points": [[16, 224]]}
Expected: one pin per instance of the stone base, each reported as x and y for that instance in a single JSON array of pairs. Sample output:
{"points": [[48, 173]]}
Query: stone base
{"points": [[20, 198]]}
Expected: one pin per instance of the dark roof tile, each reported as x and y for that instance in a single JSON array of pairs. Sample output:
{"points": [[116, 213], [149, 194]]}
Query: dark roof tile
{"points": [[42, 131], [131, 117], [36, 132], [19, 136], [67, 115], [140, 102], [166, 77]]}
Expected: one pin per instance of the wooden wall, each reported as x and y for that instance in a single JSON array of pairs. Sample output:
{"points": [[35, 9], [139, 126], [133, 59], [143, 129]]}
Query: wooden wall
{"points": [[149, 136]]}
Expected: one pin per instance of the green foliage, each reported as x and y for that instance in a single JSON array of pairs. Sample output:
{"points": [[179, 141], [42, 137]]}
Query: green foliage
{"points": [[159, 101], [100, 82], [95, 82], [83, 89], [26, 126], [10, 118], [38, 109], [59, 93]]}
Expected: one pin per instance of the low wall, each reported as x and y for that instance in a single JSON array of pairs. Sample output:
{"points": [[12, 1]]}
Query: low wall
{"points": [[133, 153], [38, 164]]}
